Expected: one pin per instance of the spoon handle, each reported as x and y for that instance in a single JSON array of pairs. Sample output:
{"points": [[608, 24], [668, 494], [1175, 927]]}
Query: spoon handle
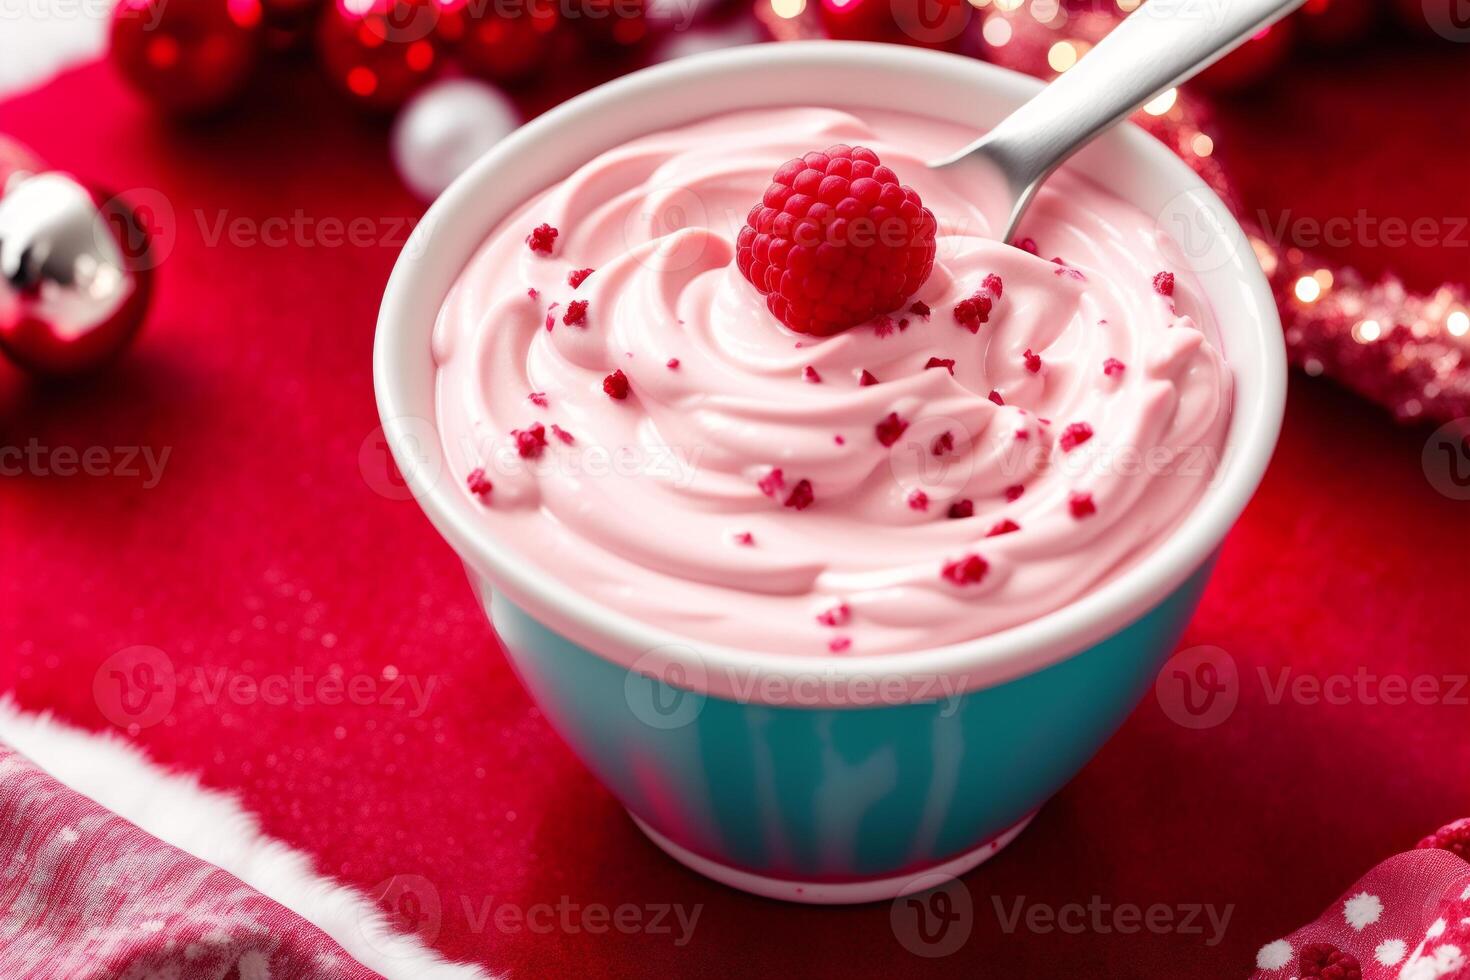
{"points": [[1160, 45]]}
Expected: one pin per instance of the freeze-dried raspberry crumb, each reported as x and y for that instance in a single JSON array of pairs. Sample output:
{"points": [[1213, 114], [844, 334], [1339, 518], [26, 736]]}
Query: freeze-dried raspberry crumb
{"points": [[1004, 526], [883, 326], [961, 509], [943, 443], [1113, 367], [576, 277], [541, 239], [1324, 961], [1453, 837], [1074, 435], [772, 483], [889, 430], [616, 385], [479, 483], [903, 324], [562, 434], [993, 285], [1033, 361], [1014, 491], [920, 308], [810, 374], [551, 316], [1022, 435], [969, 570], [840, 439], [533, 292], [537, 398], [745, 538], [801, 496], [530, 442], [576, 314], [995, 397], [941, 362], [1080, 504], [866, 378], [839, 644], [1164, 284], [919, 500], [838, 615], [1068, 272], [672, 364], [1028, 245], [971, 313]]}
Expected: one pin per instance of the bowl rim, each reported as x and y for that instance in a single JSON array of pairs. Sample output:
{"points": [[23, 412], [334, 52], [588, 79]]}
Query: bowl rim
{"points": [[408, 313]]}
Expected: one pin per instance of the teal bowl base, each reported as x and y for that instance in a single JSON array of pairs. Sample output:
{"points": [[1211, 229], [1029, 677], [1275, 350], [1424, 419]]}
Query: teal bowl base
{"points": [[835, 893]]}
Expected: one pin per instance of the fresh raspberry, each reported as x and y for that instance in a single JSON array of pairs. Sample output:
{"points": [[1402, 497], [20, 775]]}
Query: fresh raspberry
{"points": [[969, 570], [1113, 367], [530, 442], [838, 615], [944, 443], [672, 364], [1081, 505], [890, 428], [616, 385], [961, 509], [1324, 961], [562, 434], [576, 277], [1164, 284], [537, 398], [542, 238], [920, 308], [1033, 361], [801, 496], [941, 362], [1454, 837], [1005, 526], [479, 483], [835, 241], [919, 500], [866, 379], [810, 374], [576, 314], [1013, 492], [772, 483], [1074, 435], [995, 397]]}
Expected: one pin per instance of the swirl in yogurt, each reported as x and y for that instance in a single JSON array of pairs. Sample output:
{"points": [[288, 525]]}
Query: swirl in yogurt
{"points": [[1073, 431]]}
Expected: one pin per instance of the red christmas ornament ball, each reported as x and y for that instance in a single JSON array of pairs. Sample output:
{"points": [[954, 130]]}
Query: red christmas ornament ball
{"points": [[187, 56], [288, 23], [857, 20], [501, 47], [1252, 62], [379, 52], [15, 158], [1336, 22]]}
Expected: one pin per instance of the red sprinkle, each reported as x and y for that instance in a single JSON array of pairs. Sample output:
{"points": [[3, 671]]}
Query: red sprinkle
{"points": [[1081, 505], [1074, 435], [1033, 361], [745, 538], [801, 496], [672, 364], [616, 385], [919, 500], [1013, 492], [890, 428], [479, 483], [941, 362], [576, 277], [995, 397], [838, 615], [562, 434], [810, 374], [1112, 367], [920, 308], [1164, 284], [1006, 526], [541, 239], [961, 509], [576, 314], [772, 483], [866, 378], [537, 398], [839, 644], [969, 570], [530, 442], [943, 444]]}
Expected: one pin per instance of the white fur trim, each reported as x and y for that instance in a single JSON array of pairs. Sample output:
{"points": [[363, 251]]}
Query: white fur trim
{"points": [[213, 827]]}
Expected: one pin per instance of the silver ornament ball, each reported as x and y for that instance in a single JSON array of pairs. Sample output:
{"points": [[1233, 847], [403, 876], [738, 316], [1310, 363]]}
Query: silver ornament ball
{"points": [[445, 128]]}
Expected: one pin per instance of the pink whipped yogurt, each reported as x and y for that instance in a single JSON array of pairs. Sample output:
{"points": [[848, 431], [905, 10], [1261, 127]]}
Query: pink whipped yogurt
{"points": [[664, 506]]}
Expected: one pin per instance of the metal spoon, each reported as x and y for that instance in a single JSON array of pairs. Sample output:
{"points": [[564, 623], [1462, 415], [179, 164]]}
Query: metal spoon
{"points": [[1158, 46]]}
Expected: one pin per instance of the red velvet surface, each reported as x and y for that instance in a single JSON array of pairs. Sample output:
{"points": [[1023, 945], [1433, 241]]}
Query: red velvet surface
{"points": [[264, 549]]}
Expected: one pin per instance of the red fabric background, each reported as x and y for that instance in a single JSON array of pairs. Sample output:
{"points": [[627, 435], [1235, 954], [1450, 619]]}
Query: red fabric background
{"points": [[264, 549]]}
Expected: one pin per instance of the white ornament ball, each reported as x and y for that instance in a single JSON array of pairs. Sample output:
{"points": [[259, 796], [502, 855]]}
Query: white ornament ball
{"points": [[447, 127]]}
